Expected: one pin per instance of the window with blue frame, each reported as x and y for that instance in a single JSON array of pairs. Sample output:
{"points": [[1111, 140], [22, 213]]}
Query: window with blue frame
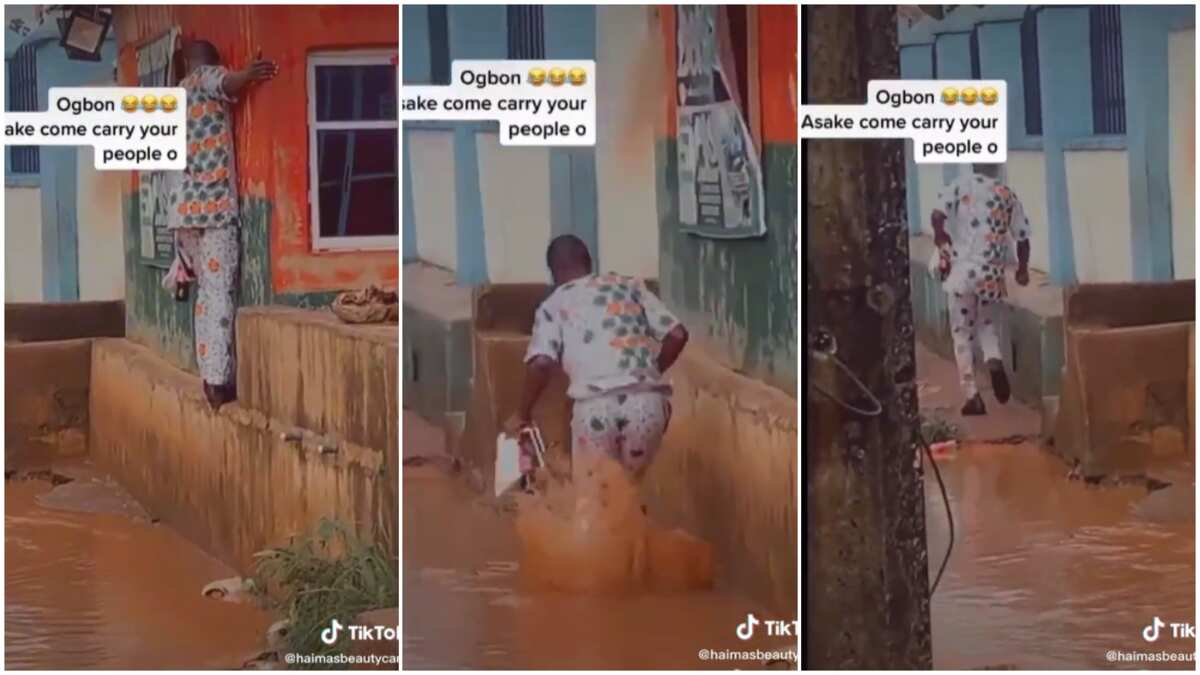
{"points": [[1031, 74], [1108, 78], [23, 97], [526, 32]]}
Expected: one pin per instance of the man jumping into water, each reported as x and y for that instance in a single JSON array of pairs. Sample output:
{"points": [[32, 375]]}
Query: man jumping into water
{"points": [[614, 339]]}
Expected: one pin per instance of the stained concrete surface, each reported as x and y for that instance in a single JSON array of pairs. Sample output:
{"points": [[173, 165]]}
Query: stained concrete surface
{"points": [[228, 481], [1125, 404], [466, 604], [50, 321], [46, 398], [437, 342]]}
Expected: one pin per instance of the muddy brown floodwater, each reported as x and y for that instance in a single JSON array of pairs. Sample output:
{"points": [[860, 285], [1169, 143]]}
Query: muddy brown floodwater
{"points": [[1052, 573], [88, 585], [468, 603]]}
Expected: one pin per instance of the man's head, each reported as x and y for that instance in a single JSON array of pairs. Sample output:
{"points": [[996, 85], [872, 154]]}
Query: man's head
{"points": [[568, 258], [199, 53], [989, 170]]}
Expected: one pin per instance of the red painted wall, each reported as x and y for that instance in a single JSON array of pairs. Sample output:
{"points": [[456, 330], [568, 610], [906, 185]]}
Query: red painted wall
{"points": [[271, 122], [777, 70]]}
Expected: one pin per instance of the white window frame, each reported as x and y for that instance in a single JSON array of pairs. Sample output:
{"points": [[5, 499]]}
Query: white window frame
{"points": [[359, 57]]}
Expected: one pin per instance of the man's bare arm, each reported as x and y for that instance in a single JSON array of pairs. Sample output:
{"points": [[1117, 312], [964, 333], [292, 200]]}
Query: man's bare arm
{"points": [[537, 376], [672, 346], [258, 71], [938, 220]]}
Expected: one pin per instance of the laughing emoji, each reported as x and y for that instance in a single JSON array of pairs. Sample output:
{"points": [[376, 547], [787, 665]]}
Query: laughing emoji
{"points": [[577, 76], [969, 96], [168, 103], [537, 77], [989, 96], [557, 76], [149, 103], [949, 96], [129, 103]]}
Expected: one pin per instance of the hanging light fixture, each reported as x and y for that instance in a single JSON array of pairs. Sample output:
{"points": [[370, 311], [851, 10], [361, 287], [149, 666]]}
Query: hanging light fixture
{"points": [[83, 31]]}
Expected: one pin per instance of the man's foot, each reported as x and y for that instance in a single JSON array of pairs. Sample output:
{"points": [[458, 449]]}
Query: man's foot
{"points": [[974, 406], [999, 380], [219, 394]]}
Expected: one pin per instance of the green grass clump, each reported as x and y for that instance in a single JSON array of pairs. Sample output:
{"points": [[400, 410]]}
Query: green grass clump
{"points": [[936, 430], [327, 575]]}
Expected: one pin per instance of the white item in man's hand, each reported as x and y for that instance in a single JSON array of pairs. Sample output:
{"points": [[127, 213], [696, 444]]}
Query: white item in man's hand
{"points": [[509, 465]]}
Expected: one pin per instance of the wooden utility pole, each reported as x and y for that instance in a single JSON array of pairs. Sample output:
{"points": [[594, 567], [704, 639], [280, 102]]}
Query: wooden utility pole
{"points": [[866, 578]]}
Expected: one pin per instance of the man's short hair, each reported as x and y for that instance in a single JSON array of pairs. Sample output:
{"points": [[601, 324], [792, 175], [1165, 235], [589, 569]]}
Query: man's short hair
{"points": [[567, 249], [202, 51]]}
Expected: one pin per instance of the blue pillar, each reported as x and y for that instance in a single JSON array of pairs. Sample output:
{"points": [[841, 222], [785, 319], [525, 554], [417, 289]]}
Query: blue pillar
{"points": [[409, 216], [1144, 49], [1000, 59], [953, 63], [571, 34], [916, 63], [1064, 52], [417, 70], [476, 32], [417, 67]]}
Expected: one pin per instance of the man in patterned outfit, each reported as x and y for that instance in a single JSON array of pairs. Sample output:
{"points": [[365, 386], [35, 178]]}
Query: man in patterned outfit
{"points": [[614, 339], [975, 222], [203, 211]]}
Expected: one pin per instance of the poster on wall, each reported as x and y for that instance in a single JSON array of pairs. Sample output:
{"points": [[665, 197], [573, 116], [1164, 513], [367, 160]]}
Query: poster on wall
{"points": [[720, 181]]}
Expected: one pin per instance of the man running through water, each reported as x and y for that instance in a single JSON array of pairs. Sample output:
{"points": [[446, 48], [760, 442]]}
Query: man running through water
{"points": [[615, 340]]}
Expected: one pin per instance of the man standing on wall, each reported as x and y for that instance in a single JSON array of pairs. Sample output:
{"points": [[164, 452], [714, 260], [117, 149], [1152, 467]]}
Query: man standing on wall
{"points": [[203, 212], [985, 217]]}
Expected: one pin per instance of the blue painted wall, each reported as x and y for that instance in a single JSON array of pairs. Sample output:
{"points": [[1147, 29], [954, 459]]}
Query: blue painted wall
{"points": [[916, 63], [953, 63], [59, 165], [1144, 30], [571, 34], [481, 32], [1064, 53]]}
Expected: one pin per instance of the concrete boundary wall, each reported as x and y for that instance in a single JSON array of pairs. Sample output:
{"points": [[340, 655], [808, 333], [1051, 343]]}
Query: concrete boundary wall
{"points": [[46, 399], [45, 321], [727, 473], [228, 481]]}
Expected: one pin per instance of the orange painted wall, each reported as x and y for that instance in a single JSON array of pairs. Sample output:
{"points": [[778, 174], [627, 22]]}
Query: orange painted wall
{"points": [[271, 122], [777, 69]]}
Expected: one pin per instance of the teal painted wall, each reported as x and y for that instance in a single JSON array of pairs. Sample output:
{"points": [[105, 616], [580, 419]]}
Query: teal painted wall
{"points": [[737, 296]]}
